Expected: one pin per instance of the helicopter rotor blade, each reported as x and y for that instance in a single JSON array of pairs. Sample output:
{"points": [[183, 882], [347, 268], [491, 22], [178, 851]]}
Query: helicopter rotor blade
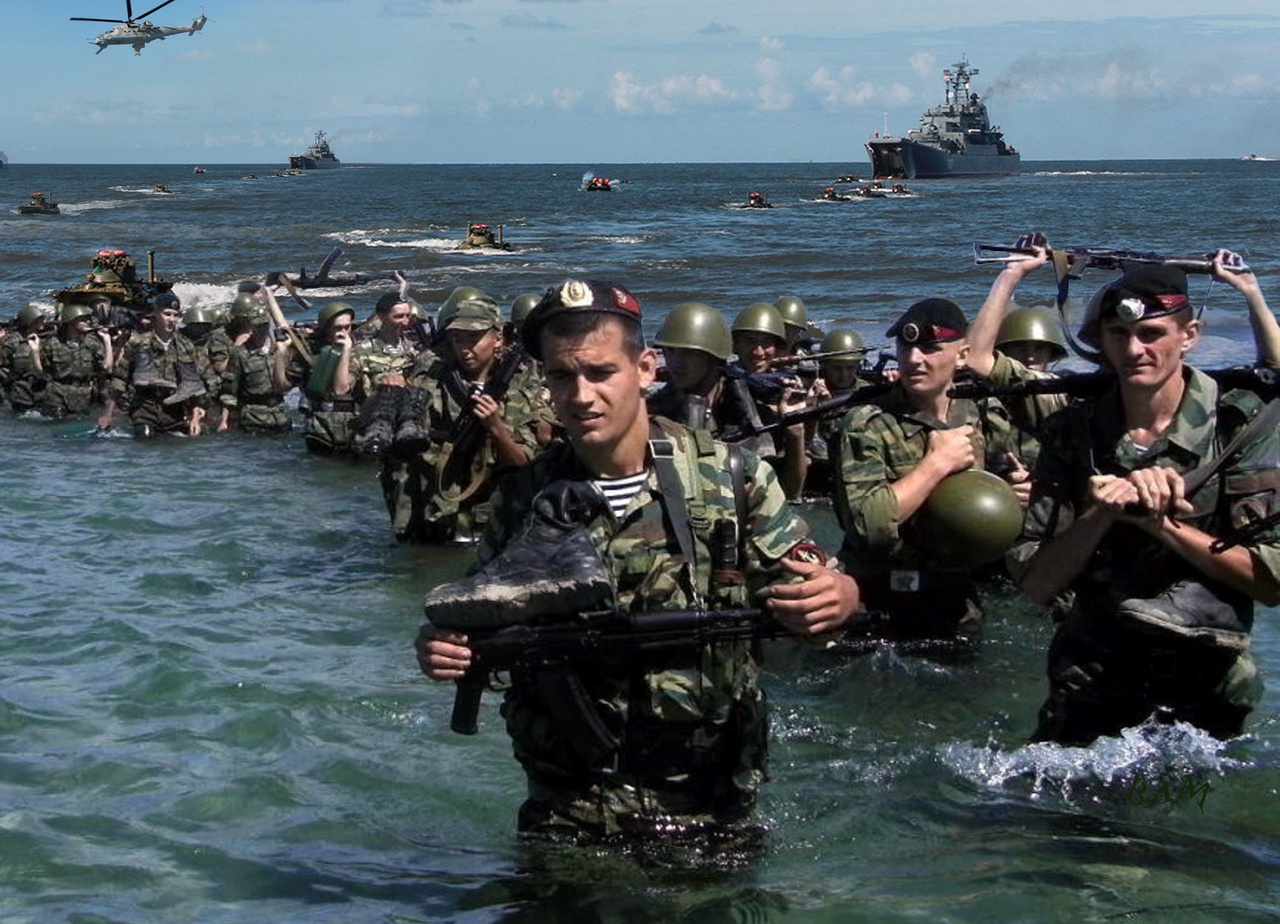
{"points": [[128, 5], [152, 10], [88, 19]]}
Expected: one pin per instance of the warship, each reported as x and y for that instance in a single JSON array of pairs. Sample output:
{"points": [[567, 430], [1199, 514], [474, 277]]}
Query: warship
{"points": [[316, 157], [954, 139]]}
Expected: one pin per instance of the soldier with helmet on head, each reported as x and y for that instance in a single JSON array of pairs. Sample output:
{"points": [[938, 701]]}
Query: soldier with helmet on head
{"points": [[760, 336], [891, 456], [157, 377], [696, 345], [841, 356], [456, 424], [22, 375], [76, 363], [255, 381]]}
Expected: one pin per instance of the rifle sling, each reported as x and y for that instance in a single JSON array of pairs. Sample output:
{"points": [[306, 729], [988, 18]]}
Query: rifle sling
{"points": [[1265, 419]]}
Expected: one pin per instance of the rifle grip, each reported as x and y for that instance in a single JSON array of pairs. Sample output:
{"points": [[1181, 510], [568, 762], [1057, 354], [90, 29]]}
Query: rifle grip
{"points": [[466, 704]]}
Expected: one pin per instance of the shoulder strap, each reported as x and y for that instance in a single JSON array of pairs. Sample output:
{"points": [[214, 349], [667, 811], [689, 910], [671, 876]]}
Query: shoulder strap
{"points": [[676, 507]]}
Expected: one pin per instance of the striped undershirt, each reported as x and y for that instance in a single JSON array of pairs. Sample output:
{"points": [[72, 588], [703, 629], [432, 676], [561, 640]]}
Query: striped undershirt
{"points": [[619, 491]]}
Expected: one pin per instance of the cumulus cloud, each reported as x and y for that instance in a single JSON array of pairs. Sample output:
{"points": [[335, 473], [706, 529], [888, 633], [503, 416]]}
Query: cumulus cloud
{"points": [[718, 28], [258, 48], [770, 45], [668, 95], [842, 89], [773, 92], [529, 21]]}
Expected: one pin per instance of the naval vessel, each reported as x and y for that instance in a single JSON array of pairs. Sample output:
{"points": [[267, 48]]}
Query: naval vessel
{"points": [[954, 139], [316, 157]]}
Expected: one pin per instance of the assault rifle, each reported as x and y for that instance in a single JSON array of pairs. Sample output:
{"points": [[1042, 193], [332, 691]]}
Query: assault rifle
{"points": [[1262, 380], [1075, 259], [553, 653], [833, 405]]}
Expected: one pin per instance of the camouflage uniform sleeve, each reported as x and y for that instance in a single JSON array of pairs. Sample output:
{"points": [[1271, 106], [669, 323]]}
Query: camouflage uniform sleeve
{"points": [[865, 503], [1252, 482], [773, 528], [1029, 412], [229, 395], [119, 383]]}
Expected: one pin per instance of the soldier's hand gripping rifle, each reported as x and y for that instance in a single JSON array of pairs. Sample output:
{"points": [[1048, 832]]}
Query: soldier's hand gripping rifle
{"points": [[832, 405], [1070, 262], [464, 471]]}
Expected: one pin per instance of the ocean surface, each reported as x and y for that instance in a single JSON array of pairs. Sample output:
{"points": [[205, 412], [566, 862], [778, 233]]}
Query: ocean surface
{"points": [[209, 705]]}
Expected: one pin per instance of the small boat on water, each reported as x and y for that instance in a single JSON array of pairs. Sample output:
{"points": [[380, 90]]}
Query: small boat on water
{"points": [[199, 170], [830, 195], [161, 188], [40, 204], [480, 237], [1258, 158], [757, 200]]}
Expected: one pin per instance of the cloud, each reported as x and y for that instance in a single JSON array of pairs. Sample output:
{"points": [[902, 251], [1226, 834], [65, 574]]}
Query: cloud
{"points": [[770, 45], [839, 89], [773, 92], [718, 28], [924, 64], [529, 21], [667, 96], [566, 98]]}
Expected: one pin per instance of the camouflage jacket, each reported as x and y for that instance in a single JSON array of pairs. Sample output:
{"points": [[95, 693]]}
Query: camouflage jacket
{"points": [[73, 362], [372, 359], [881, 442], [1090, 437], [18, 368], [693, 734], [249, 378], [166, 358], [433, 496]]}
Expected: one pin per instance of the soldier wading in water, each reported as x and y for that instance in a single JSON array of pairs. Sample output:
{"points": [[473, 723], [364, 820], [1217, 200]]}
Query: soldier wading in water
{"points": [[646, 494]]}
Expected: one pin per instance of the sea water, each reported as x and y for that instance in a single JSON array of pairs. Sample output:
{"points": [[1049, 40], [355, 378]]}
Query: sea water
{"points": [[209, 705]]}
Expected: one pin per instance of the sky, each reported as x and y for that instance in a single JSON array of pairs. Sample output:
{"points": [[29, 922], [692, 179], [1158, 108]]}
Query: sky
{"points": [[632, 81]]}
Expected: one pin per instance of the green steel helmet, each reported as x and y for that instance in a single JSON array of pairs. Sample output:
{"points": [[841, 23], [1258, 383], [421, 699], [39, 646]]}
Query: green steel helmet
{"points": [[29, 317], [970, 519], [198, 314], [331, 311], [246, 304], [70, 312], [521, 307], [1033, 325], [468, 308], [842, 340], [695, 326], [792, 310], [760, 318]]}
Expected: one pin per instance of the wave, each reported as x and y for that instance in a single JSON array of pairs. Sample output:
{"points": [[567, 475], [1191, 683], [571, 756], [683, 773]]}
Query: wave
{"points": [[75, 208]]}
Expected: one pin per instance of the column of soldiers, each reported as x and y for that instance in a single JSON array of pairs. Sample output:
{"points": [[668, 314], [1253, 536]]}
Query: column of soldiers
{"points": [[1150, 523]]}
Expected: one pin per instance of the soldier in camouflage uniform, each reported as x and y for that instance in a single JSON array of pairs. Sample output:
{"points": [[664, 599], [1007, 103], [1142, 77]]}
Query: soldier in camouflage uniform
{"points": [[332, 418], [692, 733], [254, 383], [157, 378], [433, 493], [890, 455], [379, 367], [22, 376], [1159, 616], [76, 363]]}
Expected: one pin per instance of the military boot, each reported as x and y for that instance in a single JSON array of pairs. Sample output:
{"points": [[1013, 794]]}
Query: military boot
{"points": [[411, 433], [551, 571], [190, 384], [1189, 609], [377, 436], [145, 374]]}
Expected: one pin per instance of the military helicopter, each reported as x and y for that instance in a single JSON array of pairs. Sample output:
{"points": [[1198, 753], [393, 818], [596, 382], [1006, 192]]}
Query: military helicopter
{"points": [[137, 34]]}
